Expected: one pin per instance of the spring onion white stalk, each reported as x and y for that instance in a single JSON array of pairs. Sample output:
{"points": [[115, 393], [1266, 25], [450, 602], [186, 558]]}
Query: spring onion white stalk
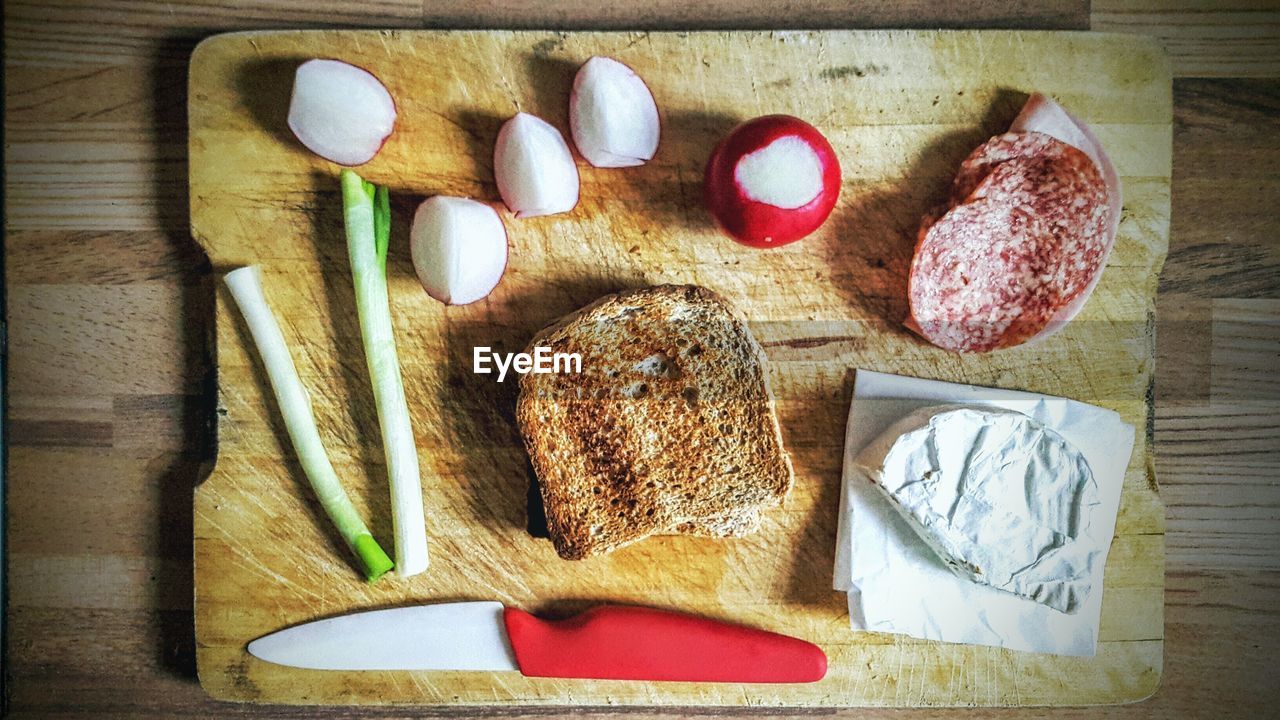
{"points": [[246, 287], [367, 215]]}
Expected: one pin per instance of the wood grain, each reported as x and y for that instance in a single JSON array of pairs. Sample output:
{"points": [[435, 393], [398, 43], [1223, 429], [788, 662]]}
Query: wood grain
{"points": [[1220, 312], [733, 15], [1205, 38], [89, 84], [901, 108]]}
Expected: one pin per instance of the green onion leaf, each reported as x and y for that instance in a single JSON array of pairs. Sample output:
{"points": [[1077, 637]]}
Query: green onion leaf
{"points": [[367, 217]]}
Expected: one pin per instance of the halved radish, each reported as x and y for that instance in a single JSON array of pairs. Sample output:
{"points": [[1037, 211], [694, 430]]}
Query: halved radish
{"points": [[459, 249], [612, 115], [533, 166], [340, 112], [772, 181]]}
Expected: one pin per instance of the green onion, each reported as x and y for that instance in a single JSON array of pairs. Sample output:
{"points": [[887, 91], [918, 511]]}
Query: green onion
{"points": [[367, 216], [246, 287]]}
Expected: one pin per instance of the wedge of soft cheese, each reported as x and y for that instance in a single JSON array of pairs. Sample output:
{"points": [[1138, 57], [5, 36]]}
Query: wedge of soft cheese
{"points": [[1001, 498]]}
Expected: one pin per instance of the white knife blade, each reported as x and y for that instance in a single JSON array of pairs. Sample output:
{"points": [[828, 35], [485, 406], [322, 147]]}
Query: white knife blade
{"points": [[446, 636]]}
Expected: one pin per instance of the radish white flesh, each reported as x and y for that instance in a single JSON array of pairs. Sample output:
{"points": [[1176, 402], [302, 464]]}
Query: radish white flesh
{"points": [[772, 181], [612, 115], [459, 249], [340, 112], [786, 173], [533, 166]]}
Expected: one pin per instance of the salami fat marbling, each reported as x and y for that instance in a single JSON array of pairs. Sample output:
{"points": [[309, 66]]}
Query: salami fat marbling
{"points": [[1026, 234]]}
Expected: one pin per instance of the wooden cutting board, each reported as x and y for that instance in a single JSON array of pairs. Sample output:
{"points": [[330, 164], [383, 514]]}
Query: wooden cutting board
{"points": [[901, 108]]}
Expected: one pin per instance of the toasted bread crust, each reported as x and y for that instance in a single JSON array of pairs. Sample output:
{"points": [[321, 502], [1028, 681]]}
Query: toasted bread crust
{"points": [[669, 427]]}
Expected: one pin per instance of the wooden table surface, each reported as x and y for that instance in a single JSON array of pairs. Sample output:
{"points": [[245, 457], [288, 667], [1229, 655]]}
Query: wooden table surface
{"points": [[109, 306]]}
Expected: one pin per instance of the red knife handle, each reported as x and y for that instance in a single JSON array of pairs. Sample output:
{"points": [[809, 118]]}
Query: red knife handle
{"points": [[619, 642]]}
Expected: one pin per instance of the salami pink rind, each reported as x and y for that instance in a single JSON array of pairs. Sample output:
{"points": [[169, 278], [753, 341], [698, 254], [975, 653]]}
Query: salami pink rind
{"points": [[1026, 235]]}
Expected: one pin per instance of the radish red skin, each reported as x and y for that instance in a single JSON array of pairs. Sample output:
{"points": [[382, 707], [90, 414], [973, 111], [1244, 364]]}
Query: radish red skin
{"points": [[759, 224]]}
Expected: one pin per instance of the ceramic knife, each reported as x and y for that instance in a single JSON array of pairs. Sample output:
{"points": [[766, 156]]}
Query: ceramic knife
{"points": [[619, 642]]}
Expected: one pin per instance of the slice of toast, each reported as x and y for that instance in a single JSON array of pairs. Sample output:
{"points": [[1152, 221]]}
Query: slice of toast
{"points": [[670, 425], [735, 524]]}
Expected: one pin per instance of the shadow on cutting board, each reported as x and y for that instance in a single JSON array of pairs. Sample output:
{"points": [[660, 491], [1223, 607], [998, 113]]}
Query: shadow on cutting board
{"points": [[325, 211], [480, 413], [189, 458], [280, 435], [550, 83], [265, 86], [668, 188], [876, 228], [869, 256]]}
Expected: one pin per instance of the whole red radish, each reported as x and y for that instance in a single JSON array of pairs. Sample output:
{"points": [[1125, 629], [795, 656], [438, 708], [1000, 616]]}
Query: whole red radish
{"points": [[772, 181]]}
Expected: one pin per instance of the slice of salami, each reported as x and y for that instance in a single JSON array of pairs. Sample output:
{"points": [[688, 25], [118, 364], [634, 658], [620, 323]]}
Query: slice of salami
{"points": [[1042, 114], [1026, 236], [998, 150]]}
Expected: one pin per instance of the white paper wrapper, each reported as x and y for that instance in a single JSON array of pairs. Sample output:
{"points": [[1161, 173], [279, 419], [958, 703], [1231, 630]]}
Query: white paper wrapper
{"points": [[897, 584]]}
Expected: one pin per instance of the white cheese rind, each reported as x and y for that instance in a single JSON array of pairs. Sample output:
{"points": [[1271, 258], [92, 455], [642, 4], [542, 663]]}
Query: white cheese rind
{"points": [[1002, 499]]}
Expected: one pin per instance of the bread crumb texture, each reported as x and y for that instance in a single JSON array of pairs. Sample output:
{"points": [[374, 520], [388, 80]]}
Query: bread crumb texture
{"points": [[670, 426]]}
